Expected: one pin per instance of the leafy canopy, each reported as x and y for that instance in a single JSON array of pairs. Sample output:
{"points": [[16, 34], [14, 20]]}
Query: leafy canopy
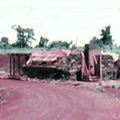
{"points": [[24, 36]]}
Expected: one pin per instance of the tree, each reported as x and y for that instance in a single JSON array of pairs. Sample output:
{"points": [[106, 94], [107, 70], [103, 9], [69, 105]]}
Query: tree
{"points": [[74, 47], [24, 36], [96, 41], [58, 44], [4, 42], [106, 36], [43, 42]]}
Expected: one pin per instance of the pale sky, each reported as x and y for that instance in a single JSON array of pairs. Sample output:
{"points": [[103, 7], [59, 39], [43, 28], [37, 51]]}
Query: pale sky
{"points": [[66, 20]]}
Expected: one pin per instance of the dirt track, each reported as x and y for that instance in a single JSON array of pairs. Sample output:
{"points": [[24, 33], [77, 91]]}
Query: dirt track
{"points": [[42, 101]]}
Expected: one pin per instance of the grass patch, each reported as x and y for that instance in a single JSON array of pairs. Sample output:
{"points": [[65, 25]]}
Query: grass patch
{"points": [[3, 101]]}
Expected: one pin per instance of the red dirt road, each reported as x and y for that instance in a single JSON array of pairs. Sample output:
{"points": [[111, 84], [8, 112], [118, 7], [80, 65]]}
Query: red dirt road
{"points": [[43, 101]]}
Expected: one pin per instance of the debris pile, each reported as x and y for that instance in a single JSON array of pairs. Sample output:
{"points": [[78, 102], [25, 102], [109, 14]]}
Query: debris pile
{"points": [[108, 70], [71, 64]]}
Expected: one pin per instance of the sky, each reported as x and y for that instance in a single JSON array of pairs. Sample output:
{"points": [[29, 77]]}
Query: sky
{"points": [[66, 20]]}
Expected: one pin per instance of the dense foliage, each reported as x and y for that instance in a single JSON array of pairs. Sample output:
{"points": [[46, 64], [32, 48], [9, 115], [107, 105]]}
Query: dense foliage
{"points": [[43, 42], [106, 38], [4, 43], [59, 44], [24, 36]]}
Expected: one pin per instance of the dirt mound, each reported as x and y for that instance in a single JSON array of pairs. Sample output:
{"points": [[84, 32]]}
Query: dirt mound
{"points": [[72, 64], [108, 69]]}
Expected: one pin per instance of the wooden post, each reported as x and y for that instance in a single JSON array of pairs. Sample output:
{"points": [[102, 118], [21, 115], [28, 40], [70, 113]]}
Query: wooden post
{"points": [[16, 62], [100, 66], [13, 65], [10, 66], [19, 65]]}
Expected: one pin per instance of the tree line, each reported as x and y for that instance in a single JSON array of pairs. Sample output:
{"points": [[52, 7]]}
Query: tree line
{"points": [[25, 36]]}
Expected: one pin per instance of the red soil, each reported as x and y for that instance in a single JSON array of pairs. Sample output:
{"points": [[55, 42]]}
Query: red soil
{"points": [[43, 101]]}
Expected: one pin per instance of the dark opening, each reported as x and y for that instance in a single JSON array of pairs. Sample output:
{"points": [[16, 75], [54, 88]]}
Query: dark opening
{"points": [[86, 53], [43, 73], [79, 76], [97, 66], [44, 63]]}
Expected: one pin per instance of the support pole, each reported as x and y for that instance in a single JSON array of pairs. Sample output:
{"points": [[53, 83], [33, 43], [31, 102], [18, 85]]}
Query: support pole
{"points": [[13, 65], [16, 62], [10, 66], [19, 65], [100, 66]]}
